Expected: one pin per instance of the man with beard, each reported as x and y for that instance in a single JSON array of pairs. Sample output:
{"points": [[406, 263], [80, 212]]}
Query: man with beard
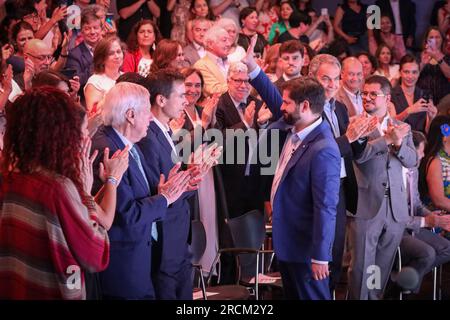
{"points": [[309, 167], [375, 231]]}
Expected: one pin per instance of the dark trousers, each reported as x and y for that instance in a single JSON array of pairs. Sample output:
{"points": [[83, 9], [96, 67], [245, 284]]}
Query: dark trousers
{"points": [[339, 240], [424, 251], [298, 283]]}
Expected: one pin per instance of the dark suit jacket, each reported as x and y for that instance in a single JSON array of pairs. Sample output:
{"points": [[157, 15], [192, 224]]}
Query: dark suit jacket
{"points": [[237, 185], [272, 97], [190, 54], [417, 121], [407, 15], [128, 273], [174, 229], [81, 60], [304, 205]]}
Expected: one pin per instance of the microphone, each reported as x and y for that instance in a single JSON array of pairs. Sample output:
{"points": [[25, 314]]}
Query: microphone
{"points": [[407, 278]]}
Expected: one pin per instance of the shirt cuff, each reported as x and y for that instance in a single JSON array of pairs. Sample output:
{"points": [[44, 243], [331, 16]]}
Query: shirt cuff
{"points": [[422, 222], [167, 199], [252, 75], [318, 261]]}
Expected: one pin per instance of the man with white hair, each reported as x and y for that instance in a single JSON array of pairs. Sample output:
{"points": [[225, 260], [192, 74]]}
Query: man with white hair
{"points": [[236, 110], [126, 116], [349, 92], [214, 65]]}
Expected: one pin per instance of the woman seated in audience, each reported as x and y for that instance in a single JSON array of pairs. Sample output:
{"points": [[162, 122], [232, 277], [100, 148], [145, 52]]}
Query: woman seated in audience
{"points": [[198, 9], [59, 231], [21, 33], [236, 51], [168, 53], [369, 63], [384, 35], [108, 59], [249, 23], [412, 104], [435, 167], [141, 45], [434, 66], [385, 66], [287, 7]]}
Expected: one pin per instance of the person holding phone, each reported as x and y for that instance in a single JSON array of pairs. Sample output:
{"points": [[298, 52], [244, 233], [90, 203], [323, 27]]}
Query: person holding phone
{"points": [[412, 104], [435, 66], [132, 11]]}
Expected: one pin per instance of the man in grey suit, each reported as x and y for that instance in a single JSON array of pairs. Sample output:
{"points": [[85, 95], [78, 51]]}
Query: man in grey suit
{"points": [[196, 50], [377, 228]]}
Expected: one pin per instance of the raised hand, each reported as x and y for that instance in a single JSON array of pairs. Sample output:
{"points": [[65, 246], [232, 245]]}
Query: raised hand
{"points": [[395, 133], [176, 184], [7, 79], [86, 161], [249, 58], [177, 124], [419, 106], [7, 51], [359, 127], [264, 114], [114, 166], [209, 111], [249, 114], [74, 86]]}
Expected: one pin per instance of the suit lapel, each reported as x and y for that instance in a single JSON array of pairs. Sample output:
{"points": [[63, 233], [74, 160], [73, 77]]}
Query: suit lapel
{"points": [[132, 163], [214, 69], [161, 138], [300, 151], [231, 111]]}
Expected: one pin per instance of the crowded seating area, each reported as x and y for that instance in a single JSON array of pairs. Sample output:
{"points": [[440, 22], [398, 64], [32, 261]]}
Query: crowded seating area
{"points": [[224, 150]]}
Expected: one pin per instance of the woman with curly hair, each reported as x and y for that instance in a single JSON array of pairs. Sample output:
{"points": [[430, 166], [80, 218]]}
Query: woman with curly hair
{"points": [[51, 229], [141, 45]]}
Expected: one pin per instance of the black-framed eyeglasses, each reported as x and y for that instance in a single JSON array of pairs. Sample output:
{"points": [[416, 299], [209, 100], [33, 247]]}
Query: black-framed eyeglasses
{"points": [[372, 95], [49, 57], [240, 81], [33, 16]]}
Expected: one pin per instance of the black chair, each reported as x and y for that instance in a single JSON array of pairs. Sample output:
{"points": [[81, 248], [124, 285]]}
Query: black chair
{"points": [[221, 292], [248, 233]]}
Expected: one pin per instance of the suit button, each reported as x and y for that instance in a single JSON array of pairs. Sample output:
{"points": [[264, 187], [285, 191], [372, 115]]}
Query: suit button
{"points": [[384, 184]]}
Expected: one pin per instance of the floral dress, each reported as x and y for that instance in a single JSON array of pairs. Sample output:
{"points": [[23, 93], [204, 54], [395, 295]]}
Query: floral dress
{"points": [[445, 162], [180, 17]]}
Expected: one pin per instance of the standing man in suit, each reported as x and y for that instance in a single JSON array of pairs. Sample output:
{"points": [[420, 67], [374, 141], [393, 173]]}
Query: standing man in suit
{"points": [[309, 166], [377, 228], [214, 65], [196, 50], [237, 110], [173, 269], [126, 117], [326, 69], [81, 57], [291, 53], [349, 92], [403, 17]]}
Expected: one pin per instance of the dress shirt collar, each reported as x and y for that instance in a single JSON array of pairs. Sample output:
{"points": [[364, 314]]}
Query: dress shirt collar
{"points": [[125, 141], [302, 134]]}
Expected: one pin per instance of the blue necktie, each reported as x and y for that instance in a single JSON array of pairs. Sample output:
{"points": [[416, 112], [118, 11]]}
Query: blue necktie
{"points": [[136, 157]]}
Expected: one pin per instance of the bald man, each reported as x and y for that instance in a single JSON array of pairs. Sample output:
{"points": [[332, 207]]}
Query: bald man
{"points": [[38, 57], [352, 79]]}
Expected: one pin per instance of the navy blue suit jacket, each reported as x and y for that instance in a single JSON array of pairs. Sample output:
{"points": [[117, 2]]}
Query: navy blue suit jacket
{"points": [[81, 60], [174, 229], [129, 270], [304, 206]]}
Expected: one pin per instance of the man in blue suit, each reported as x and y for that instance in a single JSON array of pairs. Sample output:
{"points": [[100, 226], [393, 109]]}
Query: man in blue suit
{"points": [[81, 57], [172, 274], [305, 193], [126, 117]]}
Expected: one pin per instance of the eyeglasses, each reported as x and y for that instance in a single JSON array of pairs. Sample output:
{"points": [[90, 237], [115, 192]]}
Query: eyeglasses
{"points": [[33, 16], [372, 95], [49, 57], [240, 81]]}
